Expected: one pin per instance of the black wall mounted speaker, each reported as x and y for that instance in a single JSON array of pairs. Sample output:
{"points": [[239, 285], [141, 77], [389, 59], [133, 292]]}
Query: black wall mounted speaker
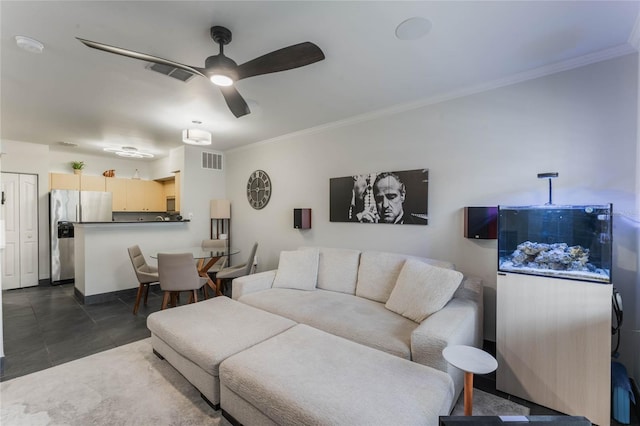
{"points": [[481, 223], [302, 218]]}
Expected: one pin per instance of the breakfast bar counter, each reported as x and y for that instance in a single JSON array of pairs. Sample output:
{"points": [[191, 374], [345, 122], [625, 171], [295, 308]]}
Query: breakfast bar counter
{"points": [[102, 264], [140, 222]]}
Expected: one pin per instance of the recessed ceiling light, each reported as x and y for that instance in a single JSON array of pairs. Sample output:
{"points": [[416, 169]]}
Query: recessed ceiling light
{"points": [[413, 28], [29, 44]]}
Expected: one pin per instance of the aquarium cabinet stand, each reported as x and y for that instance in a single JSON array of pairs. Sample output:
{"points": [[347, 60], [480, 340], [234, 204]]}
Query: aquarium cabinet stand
{"points": [[553, 340]]}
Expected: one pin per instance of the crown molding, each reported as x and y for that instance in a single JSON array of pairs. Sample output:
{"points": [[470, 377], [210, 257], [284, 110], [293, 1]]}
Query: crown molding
{"points": [[591, 58]]}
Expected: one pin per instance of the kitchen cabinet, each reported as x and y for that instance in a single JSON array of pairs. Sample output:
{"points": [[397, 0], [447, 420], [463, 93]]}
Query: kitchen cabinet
{"points": [[92, 183], [64, 181], [169, 188], [76, 182], [154, 198], [128, 195], [118, 189], [136, 195]]}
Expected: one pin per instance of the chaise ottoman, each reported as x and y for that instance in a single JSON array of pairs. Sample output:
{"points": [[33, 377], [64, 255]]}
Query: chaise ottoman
{"points": [[307, 376], [196, 338]]}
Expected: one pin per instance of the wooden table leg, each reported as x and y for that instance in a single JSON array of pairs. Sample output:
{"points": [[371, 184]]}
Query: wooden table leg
{"points": [[202, 271], [468, 394]]}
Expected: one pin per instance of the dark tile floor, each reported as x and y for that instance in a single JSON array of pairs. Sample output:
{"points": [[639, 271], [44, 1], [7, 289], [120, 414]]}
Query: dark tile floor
{"points": [[46, 326]]}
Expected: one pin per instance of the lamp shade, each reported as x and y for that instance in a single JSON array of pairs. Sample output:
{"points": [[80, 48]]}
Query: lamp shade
{"points": [[220, 209]]}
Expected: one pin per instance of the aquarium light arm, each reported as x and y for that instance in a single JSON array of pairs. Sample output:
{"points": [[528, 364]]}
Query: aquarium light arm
{"points": [[549, 175]]}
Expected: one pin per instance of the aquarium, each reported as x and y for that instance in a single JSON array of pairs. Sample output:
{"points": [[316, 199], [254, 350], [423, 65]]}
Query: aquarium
{"points": [[571, 242]]}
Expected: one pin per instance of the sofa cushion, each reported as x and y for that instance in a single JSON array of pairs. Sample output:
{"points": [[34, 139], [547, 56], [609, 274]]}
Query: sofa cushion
{"points": [[337, 269], [297, 269], [343, 384], [354, 318], [422, 289], [379, 271], [210, 331], [377, 274]]}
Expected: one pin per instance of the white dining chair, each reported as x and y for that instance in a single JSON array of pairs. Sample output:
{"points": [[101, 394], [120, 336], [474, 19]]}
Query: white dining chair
{"points": [[178, 273]]}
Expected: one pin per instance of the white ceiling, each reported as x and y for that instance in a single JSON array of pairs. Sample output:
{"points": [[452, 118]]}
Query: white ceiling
{"points": [[94, 99]]}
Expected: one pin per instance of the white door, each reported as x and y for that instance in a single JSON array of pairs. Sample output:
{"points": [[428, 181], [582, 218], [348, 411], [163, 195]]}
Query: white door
{"points": [[10, 186], [20, 212]]}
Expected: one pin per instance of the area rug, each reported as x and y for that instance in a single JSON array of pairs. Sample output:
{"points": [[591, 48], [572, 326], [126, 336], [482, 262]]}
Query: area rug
{"points": [[129, 385]]}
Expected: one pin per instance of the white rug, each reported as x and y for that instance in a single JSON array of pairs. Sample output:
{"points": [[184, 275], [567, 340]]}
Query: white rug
{"points": [[129, 385]]}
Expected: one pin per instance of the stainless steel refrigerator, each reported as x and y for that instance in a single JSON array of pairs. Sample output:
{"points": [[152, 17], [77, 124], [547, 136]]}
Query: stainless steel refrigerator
{"points": [[65, 208]]}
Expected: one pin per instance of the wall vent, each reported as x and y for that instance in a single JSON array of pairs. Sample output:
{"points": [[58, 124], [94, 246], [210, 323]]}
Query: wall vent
{"points": [[177, 73], [211, 160]]}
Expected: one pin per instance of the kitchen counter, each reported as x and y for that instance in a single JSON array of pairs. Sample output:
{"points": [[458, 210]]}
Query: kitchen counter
{"points": [[131, 221], [102, 264]]}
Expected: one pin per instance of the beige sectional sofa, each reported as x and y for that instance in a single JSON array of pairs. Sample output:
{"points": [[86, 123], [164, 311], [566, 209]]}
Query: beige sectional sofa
{"points": [[348, 296], [363, 316]]}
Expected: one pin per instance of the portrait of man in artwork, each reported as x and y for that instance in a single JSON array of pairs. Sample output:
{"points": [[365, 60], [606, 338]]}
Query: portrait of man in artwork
{"points": [[385, 197], [389, 193]]}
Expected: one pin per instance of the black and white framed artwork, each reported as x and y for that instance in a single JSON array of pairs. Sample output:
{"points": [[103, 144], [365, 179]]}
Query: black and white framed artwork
{"points": [[381, 197]]}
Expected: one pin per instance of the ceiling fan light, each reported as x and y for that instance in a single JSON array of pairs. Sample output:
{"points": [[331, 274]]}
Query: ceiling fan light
{"points": [[221, 80], [196, 137]]}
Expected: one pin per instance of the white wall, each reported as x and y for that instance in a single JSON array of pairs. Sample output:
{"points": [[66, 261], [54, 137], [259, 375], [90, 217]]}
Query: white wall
{"points": [[198, 187], [484, 149]]}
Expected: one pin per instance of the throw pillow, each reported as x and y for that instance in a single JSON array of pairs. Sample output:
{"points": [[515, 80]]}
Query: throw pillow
{"points": [[297, 269], [422, 289]]}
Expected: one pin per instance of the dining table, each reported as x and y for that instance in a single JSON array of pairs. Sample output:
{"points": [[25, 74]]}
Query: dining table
{"points": [[206, 258]]}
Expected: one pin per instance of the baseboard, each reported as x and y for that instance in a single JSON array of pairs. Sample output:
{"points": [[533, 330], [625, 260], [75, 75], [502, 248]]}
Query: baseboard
{"points": [[103, 297]]}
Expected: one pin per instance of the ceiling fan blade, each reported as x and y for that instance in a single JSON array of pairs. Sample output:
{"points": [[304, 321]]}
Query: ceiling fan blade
{"points": [[235, 101], [141, 56], [283, 59]]}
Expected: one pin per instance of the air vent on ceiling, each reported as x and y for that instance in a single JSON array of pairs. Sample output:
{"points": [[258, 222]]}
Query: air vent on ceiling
{"points": [[211, 160], [176, 73]]}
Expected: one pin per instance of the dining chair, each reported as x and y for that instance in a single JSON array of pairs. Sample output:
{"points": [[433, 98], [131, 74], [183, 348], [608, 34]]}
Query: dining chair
{"points": [[232, 272], [146, 274], [178, 273]]}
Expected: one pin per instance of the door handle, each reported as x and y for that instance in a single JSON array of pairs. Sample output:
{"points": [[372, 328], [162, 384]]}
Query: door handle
{"points": [[3, 200]]}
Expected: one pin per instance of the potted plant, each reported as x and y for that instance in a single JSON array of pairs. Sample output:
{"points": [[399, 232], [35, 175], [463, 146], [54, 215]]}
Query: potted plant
{"points": [[77, 167]]}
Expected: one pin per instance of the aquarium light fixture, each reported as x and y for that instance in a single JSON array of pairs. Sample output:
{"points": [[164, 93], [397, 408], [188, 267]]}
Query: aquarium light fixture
{"points": [[548, 175]]}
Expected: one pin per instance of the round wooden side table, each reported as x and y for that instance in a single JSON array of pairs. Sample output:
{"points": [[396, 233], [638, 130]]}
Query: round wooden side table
{"points": [[472, 361]]}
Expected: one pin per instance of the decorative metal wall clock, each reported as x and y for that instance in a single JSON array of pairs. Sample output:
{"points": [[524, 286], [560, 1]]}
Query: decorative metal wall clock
{"points": [[258, 189]]}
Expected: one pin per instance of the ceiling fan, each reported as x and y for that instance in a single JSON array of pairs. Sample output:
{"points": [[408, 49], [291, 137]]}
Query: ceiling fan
{"points": [[224, 71]]}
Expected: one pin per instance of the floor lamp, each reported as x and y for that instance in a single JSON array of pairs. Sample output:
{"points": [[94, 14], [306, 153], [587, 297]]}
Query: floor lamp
{"points": [[220, 211]]}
